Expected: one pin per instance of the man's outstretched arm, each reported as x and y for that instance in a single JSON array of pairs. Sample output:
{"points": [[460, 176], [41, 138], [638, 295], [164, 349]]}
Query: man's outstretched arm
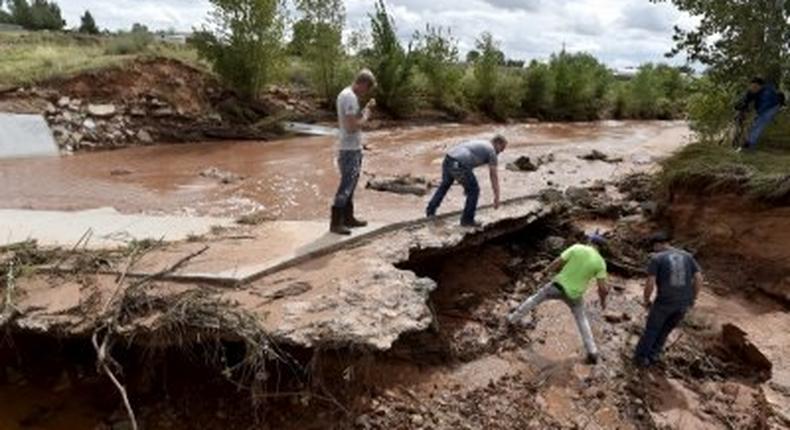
{"points": [[495, 184]]}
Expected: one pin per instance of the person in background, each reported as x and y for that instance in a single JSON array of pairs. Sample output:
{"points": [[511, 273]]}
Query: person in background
{"points": [[459, 165], [678, 277], [767, 102], [349, 159], [580, 264]]}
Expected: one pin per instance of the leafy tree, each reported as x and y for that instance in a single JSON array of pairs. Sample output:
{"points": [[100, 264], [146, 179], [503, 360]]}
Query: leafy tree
{"points": [[88, 24], [580, 86], [392, 64], [5, 17], [243, 43], [139, 28], [472, 56], [322, 39], [21, 13], [486, 71], [537, 97], [437, 58], [737, 39], [303, 34]]}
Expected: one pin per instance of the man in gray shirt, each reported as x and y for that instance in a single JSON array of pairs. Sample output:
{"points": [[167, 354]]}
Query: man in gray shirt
{"points": [[679, 279], [459, 164], [349, 160]]}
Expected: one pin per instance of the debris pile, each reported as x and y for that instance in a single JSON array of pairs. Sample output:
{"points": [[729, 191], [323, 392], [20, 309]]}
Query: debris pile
{"points": [[402, 184], [525, 164], [596, 155]]}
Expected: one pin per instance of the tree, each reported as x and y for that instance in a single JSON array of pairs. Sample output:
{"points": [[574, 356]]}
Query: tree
{"points": [[303, 33], [322, 33], [537, 97], [486, 70], [5, 17], [41, 15], [139, 28], [244, 43], [472, 56], [88, 25], [437, 58], [392, 64], [736, 39]]}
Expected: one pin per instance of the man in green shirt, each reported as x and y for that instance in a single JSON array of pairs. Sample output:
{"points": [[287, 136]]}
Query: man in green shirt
{"points": [[580, 265]]}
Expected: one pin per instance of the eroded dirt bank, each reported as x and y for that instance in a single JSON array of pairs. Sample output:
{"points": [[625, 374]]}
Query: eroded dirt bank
{"points": [[462, 368]]}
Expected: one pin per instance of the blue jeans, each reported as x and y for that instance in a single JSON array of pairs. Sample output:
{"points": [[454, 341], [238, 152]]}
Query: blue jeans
{"points": [[350, 164], [453, 171], [662, 319], [760, 123]]}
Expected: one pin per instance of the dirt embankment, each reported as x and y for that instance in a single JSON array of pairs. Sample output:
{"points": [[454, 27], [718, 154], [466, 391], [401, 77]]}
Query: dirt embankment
{"points": [[152, 100], [754, 236]]}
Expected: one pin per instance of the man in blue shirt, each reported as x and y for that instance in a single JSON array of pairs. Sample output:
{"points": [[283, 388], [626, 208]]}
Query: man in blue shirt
{"points": [[459, 165], [767, 102], [679, 280]]}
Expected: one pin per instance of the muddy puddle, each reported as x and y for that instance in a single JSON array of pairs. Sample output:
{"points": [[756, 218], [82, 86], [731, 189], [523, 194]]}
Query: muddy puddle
{"points": [[295, 179]]}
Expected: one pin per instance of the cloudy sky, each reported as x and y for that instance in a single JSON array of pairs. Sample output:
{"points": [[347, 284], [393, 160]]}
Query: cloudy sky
{"points": [[622, 33]]}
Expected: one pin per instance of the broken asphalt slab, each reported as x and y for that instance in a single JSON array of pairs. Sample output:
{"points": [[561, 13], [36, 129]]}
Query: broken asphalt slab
{"points": [[351, 295]]}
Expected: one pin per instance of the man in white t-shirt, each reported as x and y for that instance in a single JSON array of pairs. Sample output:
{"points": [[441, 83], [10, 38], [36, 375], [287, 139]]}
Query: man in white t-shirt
{"points": [[349, 159]]}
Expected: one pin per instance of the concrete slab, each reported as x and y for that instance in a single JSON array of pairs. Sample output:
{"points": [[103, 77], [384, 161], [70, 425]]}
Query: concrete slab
{"points": [[25, 136], [108, 228], [234, 260]]}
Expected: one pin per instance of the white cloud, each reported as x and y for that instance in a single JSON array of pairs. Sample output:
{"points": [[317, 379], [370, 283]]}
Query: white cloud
{"points": [[620, 32]]}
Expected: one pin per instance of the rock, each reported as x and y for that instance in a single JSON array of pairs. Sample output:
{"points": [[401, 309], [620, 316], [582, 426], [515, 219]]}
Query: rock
{"points": [[616, 317], [89, 124], [137, 111], [649, 208], [101, 111], [51, 109], [76, 137], [554, 244], [144, 137], [75, 104], [522, 164], [120, 172], [417, 420], [550, 196], [579, 196], [596, 155], [64, 102], [404, 184], [163, 112], [223, 176]]}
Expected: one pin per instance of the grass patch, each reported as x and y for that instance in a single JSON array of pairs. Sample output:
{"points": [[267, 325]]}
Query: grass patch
{"points": [[28, 58], [701, 167]]}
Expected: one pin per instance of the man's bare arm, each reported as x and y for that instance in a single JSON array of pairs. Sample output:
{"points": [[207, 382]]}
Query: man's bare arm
{"points": [[495, 184], [650, 285], [697, 284], [603, 292], [354, 123]]}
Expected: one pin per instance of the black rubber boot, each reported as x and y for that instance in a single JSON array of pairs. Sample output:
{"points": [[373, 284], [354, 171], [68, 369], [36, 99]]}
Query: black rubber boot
{"points": [[337, 224], [350, 221]]}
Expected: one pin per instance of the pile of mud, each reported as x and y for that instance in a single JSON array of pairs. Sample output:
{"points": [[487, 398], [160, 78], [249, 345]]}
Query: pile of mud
{"points": [[151, 100], [404, 330]]}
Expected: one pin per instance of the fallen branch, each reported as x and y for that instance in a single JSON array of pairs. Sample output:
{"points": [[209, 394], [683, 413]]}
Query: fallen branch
{"points": [[101, 362], [9, 310], [169, 270]]}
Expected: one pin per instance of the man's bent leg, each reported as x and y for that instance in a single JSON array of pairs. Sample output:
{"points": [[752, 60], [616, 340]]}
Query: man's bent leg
{"points": [[653, 328], [441, 191], [580, 314], [760, 124], [547, 292], [673, 319]]}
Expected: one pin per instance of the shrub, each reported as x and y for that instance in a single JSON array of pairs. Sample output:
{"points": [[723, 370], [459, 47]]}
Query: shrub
{"points": [[129, 43], [393, 66], [580, 86], [710, 108], [537, 90], [437, 60], [323, 44]]}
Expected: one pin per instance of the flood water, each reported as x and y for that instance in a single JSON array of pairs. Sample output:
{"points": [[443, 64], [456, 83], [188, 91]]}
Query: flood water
{"points": [[296, 178]]}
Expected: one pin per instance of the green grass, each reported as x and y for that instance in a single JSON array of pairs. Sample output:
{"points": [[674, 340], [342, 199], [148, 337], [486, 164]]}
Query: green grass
{"points": [[26, 58], [763, 175]]}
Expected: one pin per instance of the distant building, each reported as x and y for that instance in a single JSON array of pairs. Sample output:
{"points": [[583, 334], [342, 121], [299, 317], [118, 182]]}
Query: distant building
{"points": [[174, 38]]}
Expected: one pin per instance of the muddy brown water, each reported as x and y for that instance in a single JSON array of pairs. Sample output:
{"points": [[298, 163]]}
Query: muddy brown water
{"points": [[296, 178]]}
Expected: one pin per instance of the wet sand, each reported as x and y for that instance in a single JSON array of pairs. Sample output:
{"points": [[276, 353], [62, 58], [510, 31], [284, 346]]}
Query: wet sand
{"points": [[295, 179]]}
